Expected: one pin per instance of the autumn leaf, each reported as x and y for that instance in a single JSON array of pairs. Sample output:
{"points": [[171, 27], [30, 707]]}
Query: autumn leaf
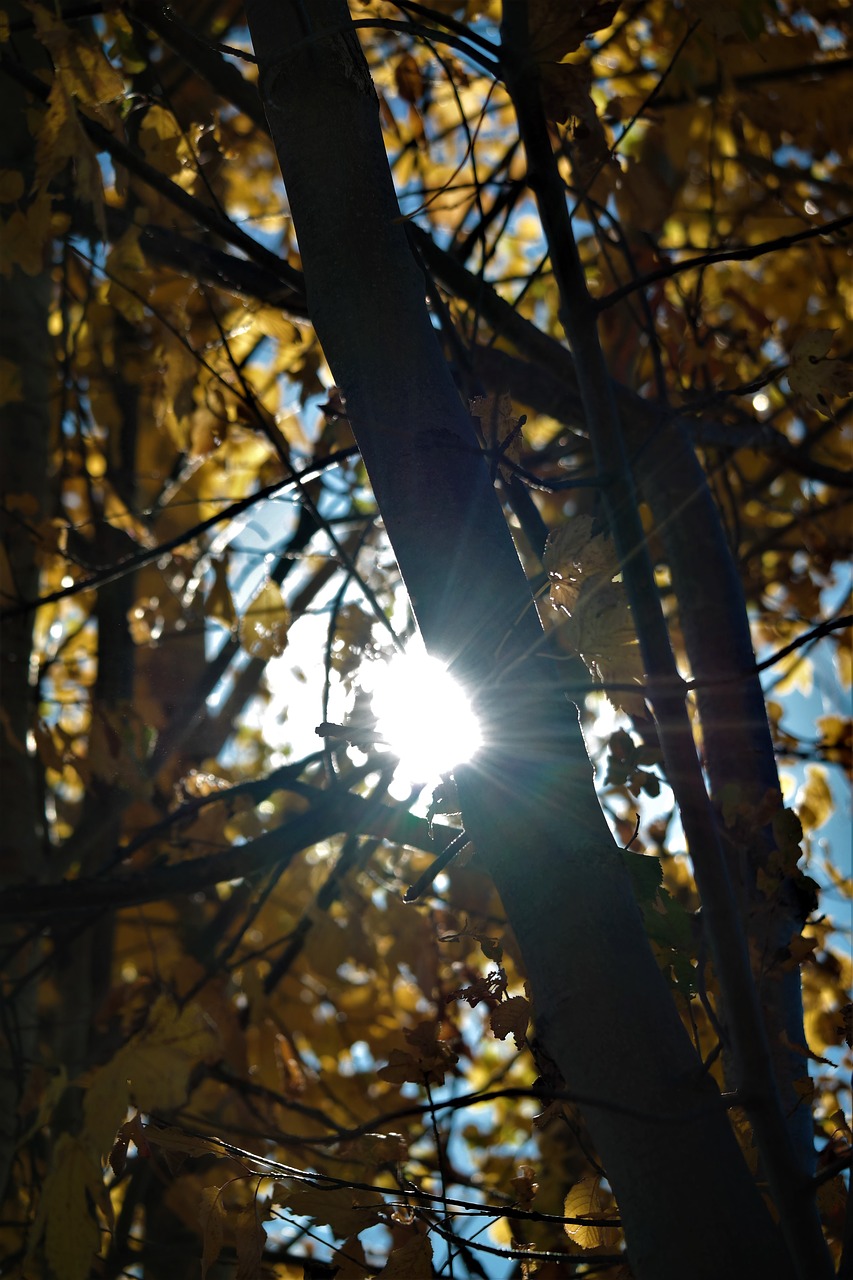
{"points": [[250, 1239], [25, 235], [409, 79], [597, 625], [511, 1017], [11, 387], [219, 605], [66, 1216], [264, 624], [587, 1201], [126, 267], [346, 1212], [414, 1258], [350, 1261], [152, 1070], [814, 801], [524, 1185], [211, 1217], [11, 186], [80, 64], [402, 1067], [501, 431], [814, 377]]}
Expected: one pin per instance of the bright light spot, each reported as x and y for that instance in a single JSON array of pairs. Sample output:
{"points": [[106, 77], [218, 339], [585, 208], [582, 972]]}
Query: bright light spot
{"points": [[423, 715], [67, 581], [760, 402]]}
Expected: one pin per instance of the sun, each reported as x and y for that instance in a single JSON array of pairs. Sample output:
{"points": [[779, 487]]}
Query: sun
{"points": [[423, 715]]}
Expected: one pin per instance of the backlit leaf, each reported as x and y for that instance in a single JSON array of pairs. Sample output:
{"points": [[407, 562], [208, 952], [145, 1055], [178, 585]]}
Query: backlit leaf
{"points": [[814, 802], [152, 1069], [414, 1258], [587, 1201], [250, 1238], [211, 1217], [346, 1212], [264, 624], [66, 1210], [814, 377]]}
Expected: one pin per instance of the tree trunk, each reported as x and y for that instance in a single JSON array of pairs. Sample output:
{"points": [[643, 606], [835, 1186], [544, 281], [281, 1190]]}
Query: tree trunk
{"points": [[24, 437], [685, 1195]]}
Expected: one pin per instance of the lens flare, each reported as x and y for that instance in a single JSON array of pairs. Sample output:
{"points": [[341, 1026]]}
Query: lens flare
{"points": [[423, 715]]}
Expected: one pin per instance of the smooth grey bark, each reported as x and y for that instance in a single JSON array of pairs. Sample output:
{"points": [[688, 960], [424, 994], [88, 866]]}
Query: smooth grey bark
{"points": [[686, 1197]]}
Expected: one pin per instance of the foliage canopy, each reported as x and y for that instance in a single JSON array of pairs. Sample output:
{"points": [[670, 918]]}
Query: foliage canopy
{"points": [[226, 1035]]}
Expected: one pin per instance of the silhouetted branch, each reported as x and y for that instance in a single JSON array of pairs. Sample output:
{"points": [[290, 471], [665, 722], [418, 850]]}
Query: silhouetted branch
{"points": [[743, 254]]}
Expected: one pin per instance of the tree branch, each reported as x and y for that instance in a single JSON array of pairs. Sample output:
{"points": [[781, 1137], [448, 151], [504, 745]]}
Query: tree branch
{"points": [[750, 1047], [743, 254], [331, 814], [147, 556]]}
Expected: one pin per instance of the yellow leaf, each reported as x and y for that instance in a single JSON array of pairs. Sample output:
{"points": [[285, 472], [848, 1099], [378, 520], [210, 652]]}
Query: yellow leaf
{"points": [[346, 1212], [263, 627], [211, 1218], [500, 429], [573, 555], [11, 185], [160, 138], [11, 387], [585, 1200], [66, 1215], [815, 378], [152, 1070], [125, 267], [81, 65], [250, 1238], [57, 137], [814, 803], [61, 139], [411, 1259], [24, 237], [598, 625]]}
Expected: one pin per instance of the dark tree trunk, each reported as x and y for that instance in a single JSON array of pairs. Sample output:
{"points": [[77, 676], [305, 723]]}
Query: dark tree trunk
{"points": [[686, 1197]]}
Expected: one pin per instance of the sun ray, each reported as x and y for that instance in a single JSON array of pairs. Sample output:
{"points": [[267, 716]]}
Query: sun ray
{"points": [[423, 715]]}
